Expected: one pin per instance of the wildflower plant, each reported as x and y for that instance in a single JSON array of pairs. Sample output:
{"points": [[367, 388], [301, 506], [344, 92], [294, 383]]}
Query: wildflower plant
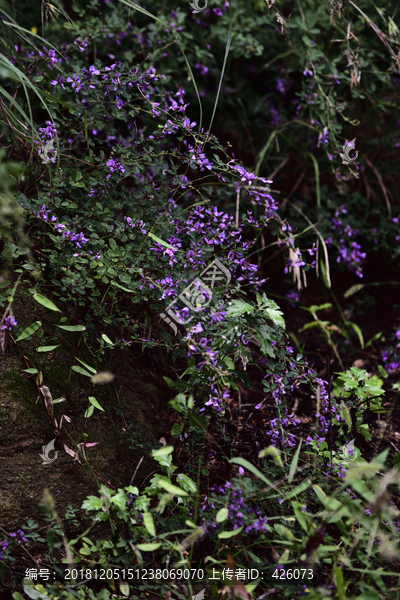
{"points": [[128, 196]]}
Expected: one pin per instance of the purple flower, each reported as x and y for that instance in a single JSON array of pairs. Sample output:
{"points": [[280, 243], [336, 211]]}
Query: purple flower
{"points": [[19, 535], [9, 323]]}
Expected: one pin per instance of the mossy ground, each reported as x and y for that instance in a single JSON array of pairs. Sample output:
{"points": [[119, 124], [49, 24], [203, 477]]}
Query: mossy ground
{"points": [[25, 426]]}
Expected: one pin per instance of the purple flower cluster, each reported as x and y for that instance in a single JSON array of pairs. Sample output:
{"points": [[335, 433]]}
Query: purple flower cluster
{"points": [[78, 238], [19, 535], [239, 512], [391, 356], [49, 132], [3, 546], [50, 56], [114, 165], [10, 322], [349, 251], [276, 430]]}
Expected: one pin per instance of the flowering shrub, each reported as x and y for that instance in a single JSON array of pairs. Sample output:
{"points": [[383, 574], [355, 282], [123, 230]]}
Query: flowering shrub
{"points": [[132, 204]]}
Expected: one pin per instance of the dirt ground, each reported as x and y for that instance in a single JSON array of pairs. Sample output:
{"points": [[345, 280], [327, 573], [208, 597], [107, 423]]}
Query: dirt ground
{"points": [[25, 427]]}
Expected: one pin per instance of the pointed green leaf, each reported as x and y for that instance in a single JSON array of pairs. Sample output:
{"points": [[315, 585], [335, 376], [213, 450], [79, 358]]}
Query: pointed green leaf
{"points": [[293, 465], [72, 327], [95, 403], [160, 241], [224, 535], [247, 465], [107, 339], [222, 515], [161, 452], [79, 369], [149, 523], [172, 489], [148, 547], [30, 330], [46, 348], [45, 302], [86, 365], [358, 332]]}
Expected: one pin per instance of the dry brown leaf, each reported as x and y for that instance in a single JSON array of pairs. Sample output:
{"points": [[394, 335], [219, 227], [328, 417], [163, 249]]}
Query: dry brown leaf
{"points": [[68, 450], [3, 340], [48, 399]]}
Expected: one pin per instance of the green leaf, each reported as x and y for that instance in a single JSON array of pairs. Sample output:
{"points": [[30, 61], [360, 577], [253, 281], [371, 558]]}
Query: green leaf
{"points": [[238, 308], [264, 335], [339, 582], [222, 515], [124, 588], [187, 483], [31, 371], [45, 302], [86, 365], [149, 523], [148, 547], [121, 287], [50, 538], [30, 330], [46, 348], [94, 402], [274, 313], [17, 596], [29, 590], [247, 465], [358, 332], [299, 489], [79, 369], [293, 465], [224, 535], [176, 430], [113, 244], [92, 503], [162, 452], [107, 339], [160, 241], [171, 489], [75, 176], [89, 412], [72, 327]]}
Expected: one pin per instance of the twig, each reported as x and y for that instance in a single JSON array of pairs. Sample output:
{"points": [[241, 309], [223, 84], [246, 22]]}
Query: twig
{"points": [[136, 470]]}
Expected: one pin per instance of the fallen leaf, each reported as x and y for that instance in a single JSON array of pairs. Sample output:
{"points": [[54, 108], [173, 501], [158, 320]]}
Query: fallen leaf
{"points": [[48, 400], [91, 444], [68, 450], [67, 419], [3, 340]]}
